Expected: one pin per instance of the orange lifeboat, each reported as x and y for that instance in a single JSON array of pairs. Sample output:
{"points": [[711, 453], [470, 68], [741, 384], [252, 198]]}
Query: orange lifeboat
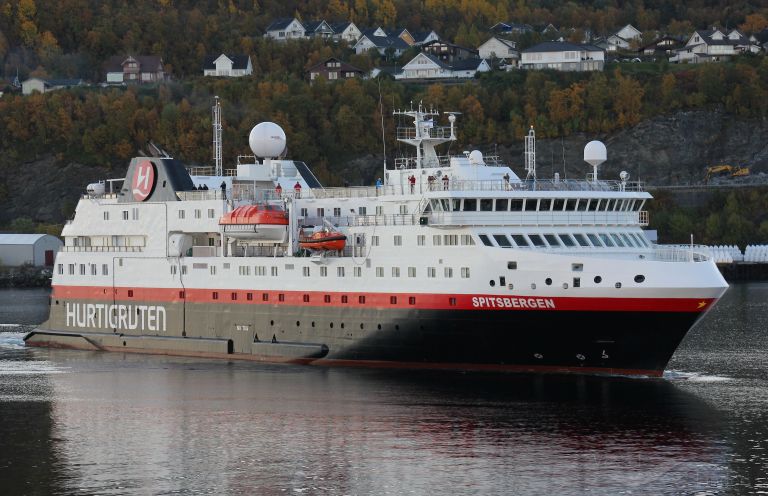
{"points": [[260, 222], [324, 240]]}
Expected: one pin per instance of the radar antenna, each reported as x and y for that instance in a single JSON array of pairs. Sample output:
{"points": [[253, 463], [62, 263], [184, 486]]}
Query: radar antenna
{"points": [[530, 154]]}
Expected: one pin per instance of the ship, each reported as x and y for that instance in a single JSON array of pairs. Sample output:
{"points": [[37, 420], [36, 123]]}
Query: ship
{"points": [[449, 262]]}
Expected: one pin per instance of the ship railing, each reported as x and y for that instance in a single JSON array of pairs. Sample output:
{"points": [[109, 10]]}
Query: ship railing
{"points": [[102, 249], [200, 171], [362, 220], [681, 253], [436, 132], [535, 218], [542, 185], [198, 195], [104, 196]]}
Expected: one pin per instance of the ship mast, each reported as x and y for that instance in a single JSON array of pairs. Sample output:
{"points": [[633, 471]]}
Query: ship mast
{"points": [[217, 162], [424, 135]]}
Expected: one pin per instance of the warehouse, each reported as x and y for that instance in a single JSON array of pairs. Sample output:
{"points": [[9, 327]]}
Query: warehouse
{"points": [[36, 249]]}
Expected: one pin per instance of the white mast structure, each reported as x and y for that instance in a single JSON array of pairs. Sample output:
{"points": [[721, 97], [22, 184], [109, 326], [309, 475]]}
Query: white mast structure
{"points": [[217, 160], [530, 154], [425, 136]]}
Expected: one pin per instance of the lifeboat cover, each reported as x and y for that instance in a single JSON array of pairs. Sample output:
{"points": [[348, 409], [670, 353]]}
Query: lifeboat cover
{"points": [[255, 214]]}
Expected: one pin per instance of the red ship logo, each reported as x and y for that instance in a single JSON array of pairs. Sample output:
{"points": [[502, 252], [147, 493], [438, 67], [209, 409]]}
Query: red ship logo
{"points": [[143, 180]]}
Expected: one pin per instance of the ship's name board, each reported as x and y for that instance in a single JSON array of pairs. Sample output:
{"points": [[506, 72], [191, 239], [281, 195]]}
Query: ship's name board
{"points": [[120, 317], [508, 302]]}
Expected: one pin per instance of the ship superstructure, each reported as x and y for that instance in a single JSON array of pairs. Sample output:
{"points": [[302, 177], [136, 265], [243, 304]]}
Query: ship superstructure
{"points": [[448, 262]]}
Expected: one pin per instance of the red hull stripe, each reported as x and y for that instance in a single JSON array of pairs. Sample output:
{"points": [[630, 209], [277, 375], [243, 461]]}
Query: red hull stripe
{"points": [[417, 301]]}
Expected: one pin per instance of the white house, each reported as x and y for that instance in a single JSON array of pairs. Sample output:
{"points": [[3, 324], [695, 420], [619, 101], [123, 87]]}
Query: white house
{"points": [[629, 32], [318, 29], [39, 85], [425, 66], [563, 56], [286, 28], [346, 31], [227, 65], [35, 249], [381, 43], [499, 48], [713, 46], [424, 37]]}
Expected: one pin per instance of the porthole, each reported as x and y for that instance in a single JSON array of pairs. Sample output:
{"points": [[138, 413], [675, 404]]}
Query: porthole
{"points": [[298, 323], [618, 285], [639, 278], [378, 327], [598, 279], [397, 327], [492, 283], [313, 323], [548, 281], [362, 326], [331, 325], [342, 325], [533, 285], [271, 322]]}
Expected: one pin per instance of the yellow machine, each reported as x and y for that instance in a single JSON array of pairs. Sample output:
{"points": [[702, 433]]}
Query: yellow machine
{"points": [[725, 171]]}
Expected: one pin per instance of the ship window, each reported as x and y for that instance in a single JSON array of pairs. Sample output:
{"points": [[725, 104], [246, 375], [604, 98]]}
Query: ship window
{"points": [[393, 300], [567, 240], [531, 204], [211, 213], [617, 240], [173, 269], [260, 270], [431, 272], [448, 272], [548, 281], [198, 213], [374, 241], [595, 242], [93, 269], [484, 238], [411, 300], [305, 271], [470, 205], [502, 205], [125, 214], [581, 239], [82, 269], [537, 241], [379, 271], [411, 271], [466, 239], [244, 270], [520, 240], [570, 204], [361, 211], [61, 269], [558, 204], [455, 205], [577, 267], [274, 271], [451, 239], [305, 298], [609, 205], [281, 297], [598, 279], [323, 271], [452, 301], [420, 240], [404, 208], [398, 240], [361, 299], [344, 299], [606, 240], [502, 241], [303, 212], [226, 265], [106, 215], [582, 206], [357, 271], [516, 205], [640, 239], [215, 295], [336, 212], [628, 241], [486, 204], [340, 271], [327, 298], [552, 240], [265, 297], [249, 296], [545, 204], [321, 212], [512, 265], [576, 282], [234, 296], [465, 272], [395, 271], [71, 269], [639, 278], [593, 205], [437, 240]]}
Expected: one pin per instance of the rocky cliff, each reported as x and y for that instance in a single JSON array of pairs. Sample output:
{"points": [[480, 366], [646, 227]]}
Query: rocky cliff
{"points": [[670, 149]]}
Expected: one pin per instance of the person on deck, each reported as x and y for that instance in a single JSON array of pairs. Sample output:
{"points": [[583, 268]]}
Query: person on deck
{"points": [[445, 182], [279, 190], [297, 190], [412, 182], [378, 186]]}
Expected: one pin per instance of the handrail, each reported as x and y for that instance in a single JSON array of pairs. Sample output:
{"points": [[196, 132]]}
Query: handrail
{"points": [[102, 249]]}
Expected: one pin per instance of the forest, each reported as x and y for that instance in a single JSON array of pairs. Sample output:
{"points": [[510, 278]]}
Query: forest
{"points": [[330, 123]]}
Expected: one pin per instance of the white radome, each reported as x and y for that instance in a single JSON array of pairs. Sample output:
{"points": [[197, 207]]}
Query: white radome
{"points": [[595, 153], [267, 140]]}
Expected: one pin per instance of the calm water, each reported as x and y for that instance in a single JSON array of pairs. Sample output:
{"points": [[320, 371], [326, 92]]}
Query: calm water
{"points": [[100, 423]]}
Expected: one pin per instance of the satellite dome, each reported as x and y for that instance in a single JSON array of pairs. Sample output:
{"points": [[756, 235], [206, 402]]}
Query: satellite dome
{"points": [[267, 140], [476, 157], [595, 153]]}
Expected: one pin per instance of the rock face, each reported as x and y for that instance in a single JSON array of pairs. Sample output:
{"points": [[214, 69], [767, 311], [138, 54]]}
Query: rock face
{"points": [[664, 150]]}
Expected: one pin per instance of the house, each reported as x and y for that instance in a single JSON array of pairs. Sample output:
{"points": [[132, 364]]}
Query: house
{"points": [[511, 28], [346, 31], [505, 51], [761, 39], [422, 37], [616, 43], [39, 85], [448, 52], [35, 249], [427, 66], [662, 46], [134, 69], [318, 29], [629, 32], [333, 69], [285, 28], [713, 45], [388, 71], [227, 65], [385, 45], [563, 56]]}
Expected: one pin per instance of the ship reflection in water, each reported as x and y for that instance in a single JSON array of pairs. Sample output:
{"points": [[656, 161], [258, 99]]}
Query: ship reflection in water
{"points": [[107, 423]]}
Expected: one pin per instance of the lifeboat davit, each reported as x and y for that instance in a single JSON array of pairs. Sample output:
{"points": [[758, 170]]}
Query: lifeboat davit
{"points": [[324, 240], [259, 222]]}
